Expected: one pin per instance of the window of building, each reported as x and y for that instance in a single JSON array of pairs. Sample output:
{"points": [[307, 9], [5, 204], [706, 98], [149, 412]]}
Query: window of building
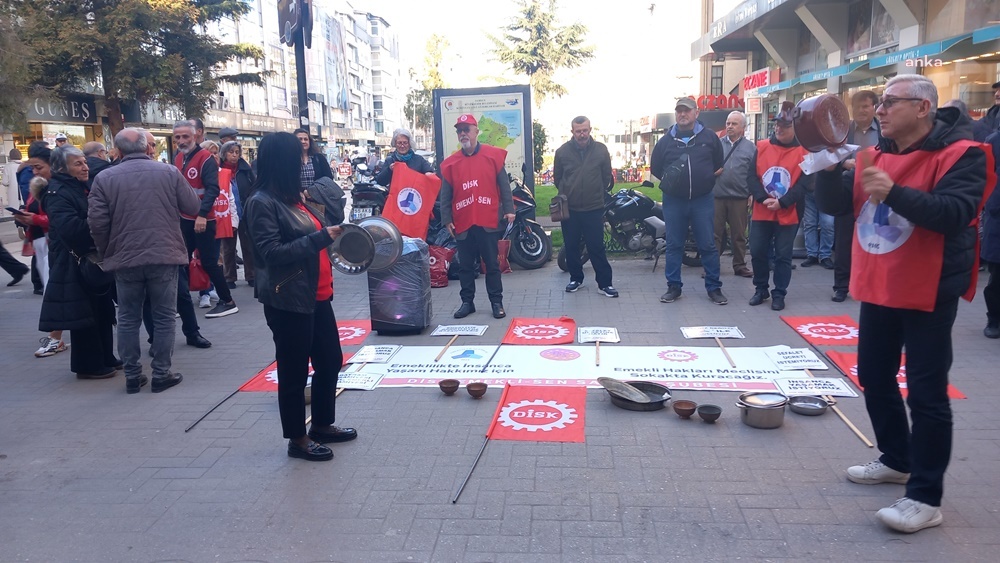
{"points": [[716, 85]]}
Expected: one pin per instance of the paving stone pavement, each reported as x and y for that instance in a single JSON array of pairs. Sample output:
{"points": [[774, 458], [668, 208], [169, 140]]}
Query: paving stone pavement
{"points": [[88, 473]]}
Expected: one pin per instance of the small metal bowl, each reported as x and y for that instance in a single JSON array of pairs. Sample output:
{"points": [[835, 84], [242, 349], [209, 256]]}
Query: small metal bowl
{"points": [[476, 389], [809, 405], [709, 413], [449, 386]]}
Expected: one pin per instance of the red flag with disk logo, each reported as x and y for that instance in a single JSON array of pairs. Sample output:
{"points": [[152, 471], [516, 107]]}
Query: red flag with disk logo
{"points": [[826, 331], [540, 332], [848, 363], [353, 332], [267, 378], [539, 414], [411, 200]]}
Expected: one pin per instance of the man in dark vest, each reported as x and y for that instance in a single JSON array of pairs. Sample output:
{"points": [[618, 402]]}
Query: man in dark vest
{"points": [[475, 196], [202, 173], [915, 199]]}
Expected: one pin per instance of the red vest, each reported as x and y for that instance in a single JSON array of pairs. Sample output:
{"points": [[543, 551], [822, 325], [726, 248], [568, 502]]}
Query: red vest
{"points": [[411, 200], [778, 169], [475, 194], [895, 263], [192, 172]]}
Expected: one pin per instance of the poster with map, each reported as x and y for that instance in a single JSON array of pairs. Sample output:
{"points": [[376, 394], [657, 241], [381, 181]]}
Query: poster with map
{"points": [[504, 117]]}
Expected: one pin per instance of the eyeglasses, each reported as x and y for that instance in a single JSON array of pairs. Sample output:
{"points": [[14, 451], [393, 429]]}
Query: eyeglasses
{"points": [[402, 143], [464, 129], [889, 102]]}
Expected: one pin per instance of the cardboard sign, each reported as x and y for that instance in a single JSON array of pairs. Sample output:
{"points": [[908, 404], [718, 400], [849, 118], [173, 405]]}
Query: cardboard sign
{"points": [[358, 380], [460, 330], [540, 414], [833, 386], [353, 333], [375, 354], [795, 358], [711, 332], [825, 331], [598, 334]]}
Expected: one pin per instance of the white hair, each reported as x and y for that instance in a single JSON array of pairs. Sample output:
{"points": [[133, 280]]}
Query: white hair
{"points": [[742, 116], [917, 86]]}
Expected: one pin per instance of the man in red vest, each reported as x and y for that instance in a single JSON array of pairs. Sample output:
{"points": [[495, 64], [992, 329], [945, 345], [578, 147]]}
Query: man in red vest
{"points": [[475, 196], [202, 172], [915, 198], [778, 187]]}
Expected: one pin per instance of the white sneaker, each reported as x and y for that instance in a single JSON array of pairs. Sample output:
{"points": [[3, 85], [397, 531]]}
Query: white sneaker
{"points": [[204, 302], [876, 472], [908, 516], [213, 296], [50, 347]]}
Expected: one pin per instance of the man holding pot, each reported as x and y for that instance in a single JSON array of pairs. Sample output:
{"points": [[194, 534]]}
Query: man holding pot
{"points": [[916, 199]]}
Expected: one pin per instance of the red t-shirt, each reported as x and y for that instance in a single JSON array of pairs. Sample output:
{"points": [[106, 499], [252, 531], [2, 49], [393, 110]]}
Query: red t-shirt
{"points": [[324, 290]]}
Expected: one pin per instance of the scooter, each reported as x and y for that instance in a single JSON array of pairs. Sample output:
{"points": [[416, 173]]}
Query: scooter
{"points": [[530, 246], [367, 197]]}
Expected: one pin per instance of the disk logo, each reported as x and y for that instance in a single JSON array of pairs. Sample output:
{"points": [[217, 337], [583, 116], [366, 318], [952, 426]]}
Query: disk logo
{"points": [[678, 356], [192, 173], [469, 354], [830, 331], [409, 201], [349, 332], [541, 332], [537, 415], [559, 354]]}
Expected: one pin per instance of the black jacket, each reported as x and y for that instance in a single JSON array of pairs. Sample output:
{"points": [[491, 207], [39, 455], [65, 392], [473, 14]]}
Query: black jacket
{"points": [[330, 196], [286, 247], [947, 209], [245, 179], [416, 162], [96, 165], [989, 124], [703, 155], [321, 167], [990, 249]]}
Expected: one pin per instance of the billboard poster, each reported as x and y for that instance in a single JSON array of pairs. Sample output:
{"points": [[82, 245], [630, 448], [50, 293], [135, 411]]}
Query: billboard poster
{"points": [[335, 64], [504, 117]]}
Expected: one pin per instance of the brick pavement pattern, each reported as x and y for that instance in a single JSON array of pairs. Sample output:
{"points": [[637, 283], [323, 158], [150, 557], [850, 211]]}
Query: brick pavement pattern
{"points": [[88, 473]]}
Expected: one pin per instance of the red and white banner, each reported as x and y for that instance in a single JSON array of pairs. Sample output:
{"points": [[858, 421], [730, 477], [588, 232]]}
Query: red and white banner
{"points": [[826, 331], [267, 378], [540, 332], [540, 414], [353, 333], [848, 362], [411, 200]]}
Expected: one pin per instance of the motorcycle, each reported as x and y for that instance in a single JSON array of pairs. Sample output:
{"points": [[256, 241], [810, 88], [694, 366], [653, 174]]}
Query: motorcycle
{"points": [[530, 246], [634, 222], [367, 197]]}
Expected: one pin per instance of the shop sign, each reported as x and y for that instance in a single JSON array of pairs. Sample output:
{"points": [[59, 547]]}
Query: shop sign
{"points": [[646, 123], [753, 105], [719, 102], [756, 79], [79, 108]]}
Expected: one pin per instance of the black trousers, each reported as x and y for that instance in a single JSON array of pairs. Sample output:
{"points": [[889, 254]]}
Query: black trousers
{"points": [[991, 293], [185, 308], [482, 244], [92, 349], [11, 265], [922, 448], [297, 338], [208, 250], [589, 226], [843, 241]]}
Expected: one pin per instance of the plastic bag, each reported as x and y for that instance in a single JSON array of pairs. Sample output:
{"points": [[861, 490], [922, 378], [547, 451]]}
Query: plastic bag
{"points": [[440, 260]]}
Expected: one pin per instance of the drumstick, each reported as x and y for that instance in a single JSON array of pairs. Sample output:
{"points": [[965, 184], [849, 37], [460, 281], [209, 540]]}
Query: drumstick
{"points": [[597, 356], [726, 352], [446, 346], [846, 420]]}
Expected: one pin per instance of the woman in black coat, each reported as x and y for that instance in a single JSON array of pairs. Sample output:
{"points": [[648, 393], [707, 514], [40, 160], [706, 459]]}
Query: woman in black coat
{"points": [[68, 304], [295, 284], [314, 164], [403, 141]]}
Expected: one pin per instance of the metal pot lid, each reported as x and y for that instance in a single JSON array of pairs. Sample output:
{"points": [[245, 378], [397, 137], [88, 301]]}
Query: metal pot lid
{"points": [[353, 251], [623, 390], [763, 399], [387, 239]]}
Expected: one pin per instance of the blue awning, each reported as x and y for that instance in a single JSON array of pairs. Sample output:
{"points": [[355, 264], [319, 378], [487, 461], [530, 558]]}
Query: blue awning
{"points": [[986, 34], [834, 72], [918, 52], [765, 90]]}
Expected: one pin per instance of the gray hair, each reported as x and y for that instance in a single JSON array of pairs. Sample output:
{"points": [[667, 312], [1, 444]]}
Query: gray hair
{"points": [[956, 103], [184, 124], [131, 141], [917, 86], [60, 156], [92, 148], [228, 146], [742, 116], [401, 131]]}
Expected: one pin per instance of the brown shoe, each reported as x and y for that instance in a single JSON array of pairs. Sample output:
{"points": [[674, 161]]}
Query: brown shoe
{"points": [[744, 273]]}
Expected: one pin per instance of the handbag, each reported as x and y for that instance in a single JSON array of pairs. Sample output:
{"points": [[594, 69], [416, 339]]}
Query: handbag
{"points": [[559, 208], [27, 249], [92, 272], [198, 279]]}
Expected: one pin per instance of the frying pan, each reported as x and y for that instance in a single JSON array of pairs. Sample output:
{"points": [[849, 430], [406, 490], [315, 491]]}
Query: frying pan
{"points": [[821, 122]]}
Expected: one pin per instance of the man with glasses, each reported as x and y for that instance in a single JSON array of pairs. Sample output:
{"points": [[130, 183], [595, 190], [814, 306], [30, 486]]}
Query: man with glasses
{"points": [[97, 158], [915, 201]]}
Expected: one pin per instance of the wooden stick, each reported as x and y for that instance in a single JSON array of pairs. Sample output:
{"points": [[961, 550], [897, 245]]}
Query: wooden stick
{"points": [[726, 352], [445, 349], [597, 356], [846, 420]]}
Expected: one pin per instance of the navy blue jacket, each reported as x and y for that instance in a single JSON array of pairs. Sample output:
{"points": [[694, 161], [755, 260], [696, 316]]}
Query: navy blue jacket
{"points": [[703, 153], [990, 250]]}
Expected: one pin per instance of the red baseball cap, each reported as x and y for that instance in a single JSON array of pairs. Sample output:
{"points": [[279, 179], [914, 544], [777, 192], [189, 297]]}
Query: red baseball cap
{"points": [[467, 119]]}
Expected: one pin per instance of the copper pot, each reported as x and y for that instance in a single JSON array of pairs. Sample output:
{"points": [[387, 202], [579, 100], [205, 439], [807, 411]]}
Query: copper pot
{"points": [[821, 122]]}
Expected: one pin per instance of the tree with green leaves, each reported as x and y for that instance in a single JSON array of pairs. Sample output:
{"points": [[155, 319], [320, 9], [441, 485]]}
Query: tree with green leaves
{"points": [[539, 139], [138, 50], [419, 101], [533, 44]]}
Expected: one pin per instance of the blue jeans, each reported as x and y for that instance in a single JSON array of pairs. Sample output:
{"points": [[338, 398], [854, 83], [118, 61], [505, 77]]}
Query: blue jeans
{"points": [[763, 236], [818, 230], [159, 283], [699, 214]]}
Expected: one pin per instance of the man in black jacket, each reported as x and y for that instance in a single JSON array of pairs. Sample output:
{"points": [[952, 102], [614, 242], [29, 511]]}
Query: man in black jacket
{"points": [[914, 199], [687, 159], [97, 159]]}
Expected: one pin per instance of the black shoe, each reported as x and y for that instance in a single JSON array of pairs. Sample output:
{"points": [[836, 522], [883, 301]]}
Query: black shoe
{"points": [[16, 279], [333, 435], [992, 330], [101, 375], [198, 341], [232, 285], [673, 294], [759, 297], [465, 310], [608, 291], [39, 292], [132, 385], [810, 261], [312, 452], [777, 303], [717, 297], [839, 296], [498, 312], [573, 286], [250, 283], [826, 263], [222, 310], [164, 383]]}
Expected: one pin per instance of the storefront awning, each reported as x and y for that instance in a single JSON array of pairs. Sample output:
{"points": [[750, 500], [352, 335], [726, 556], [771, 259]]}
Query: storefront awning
{"points": [[986, 34], [765, 90], [842, 70], [918, 52]]}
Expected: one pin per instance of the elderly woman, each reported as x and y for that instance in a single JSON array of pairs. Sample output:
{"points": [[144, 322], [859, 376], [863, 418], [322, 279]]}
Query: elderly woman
{"points": [[212, 147], [87, 312], [314, 165], [403, 141]]}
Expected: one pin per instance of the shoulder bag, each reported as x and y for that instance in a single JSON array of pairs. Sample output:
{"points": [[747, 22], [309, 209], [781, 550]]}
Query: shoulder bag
{"points": [[559, 208]]}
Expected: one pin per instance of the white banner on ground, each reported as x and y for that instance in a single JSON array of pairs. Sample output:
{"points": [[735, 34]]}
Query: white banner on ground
{"points": [[460, 330], [597, 334], [795, 359], [711, 332], [815, 386], [375, 354]]}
